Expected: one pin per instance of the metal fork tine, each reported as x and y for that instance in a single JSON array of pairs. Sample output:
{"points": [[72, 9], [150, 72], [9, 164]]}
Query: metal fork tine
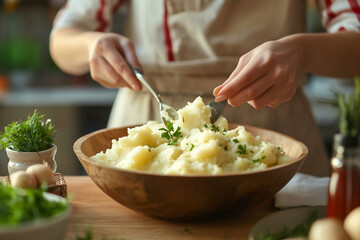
{"points": [[217, 108]]}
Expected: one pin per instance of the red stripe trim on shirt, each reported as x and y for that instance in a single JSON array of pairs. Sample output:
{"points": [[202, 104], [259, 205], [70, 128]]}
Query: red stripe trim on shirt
{"points": [[117, 6], [330, 14], [103, 24], [168, 43], [355, 7]]}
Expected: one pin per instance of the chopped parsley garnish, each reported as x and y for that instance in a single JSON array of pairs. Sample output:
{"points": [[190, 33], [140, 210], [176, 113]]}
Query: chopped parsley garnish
{"points": [[170, 134], [192, 146], [258, 159], [241, 149], [88, 235], [215, 128], [149, 148], [235, 140], [187, 230], [226, 148]]}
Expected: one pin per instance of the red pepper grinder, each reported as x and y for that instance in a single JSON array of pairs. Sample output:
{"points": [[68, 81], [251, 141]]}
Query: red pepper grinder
{"points": [[344, 186]]}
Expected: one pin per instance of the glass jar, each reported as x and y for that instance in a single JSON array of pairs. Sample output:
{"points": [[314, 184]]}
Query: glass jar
{"points": [[344, 186]]}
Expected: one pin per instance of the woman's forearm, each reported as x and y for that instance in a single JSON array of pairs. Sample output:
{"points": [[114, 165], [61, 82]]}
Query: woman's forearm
{"points": [[105, 55], [329, 54], [268, 75], [69, 48]]}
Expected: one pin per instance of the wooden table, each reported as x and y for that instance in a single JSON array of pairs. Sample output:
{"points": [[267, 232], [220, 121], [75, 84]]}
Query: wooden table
{"points": [[94, 210]]}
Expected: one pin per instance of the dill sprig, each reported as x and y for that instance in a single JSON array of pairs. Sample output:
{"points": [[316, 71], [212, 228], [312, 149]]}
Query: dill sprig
{"points": [[32, 135]]}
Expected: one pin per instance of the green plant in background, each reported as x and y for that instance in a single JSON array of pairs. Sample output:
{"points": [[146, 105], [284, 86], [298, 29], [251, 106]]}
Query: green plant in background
{"points": [[20, 53], [349, 110], [32, 135]]}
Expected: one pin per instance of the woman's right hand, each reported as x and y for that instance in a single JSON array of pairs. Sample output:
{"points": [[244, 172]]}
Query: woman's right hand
{"points": [[109, 57]]}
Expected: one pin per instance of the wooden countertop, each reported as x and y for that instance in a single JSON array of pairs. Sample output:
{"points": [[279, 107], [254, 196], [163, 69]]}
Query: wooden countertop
{"points": [[94, 210]]}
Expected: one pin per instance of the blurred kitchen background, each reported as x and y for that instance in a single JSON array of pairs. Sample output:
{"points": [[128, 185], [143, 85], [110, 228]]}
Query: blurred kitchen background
{"points": [[30, 80]]}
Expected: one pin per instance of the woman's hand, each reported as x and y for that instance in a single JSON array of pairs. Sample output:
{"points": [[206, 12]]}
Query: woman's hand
{"points": [[109, 58], [266, 76]]}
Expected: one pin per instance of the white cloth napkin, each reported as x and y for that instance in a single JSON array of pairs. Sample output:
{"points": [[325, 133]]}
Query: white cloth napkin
{"points": [[303, 190]]}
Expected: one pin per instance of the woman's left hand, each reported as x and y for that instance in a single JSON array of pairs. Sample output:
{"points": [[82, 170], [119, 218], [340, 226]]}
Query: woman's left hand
{"points": [[265, 76]]}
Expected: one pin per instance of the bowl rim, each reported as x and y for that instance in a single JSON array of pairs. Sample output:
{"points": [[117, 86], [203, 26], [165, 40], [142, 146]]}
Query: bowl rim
{"points": [[78, 143], [43, 222]]}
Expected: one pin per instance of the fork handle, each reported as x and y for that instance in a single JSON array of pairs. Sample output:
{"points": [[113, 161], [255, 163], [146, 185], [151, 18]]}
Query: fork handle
{"points": [[138, 72]]}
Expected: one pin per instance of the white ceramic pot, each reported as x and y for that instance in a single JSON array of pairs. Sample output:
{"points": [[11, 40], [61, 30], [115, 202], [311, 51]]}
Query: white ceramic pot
{"points": [[22, 160]]}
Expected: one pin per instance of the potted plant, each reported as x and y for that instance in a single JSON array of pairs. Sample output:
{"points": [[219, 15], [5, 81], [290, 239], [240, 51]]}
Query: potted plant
{"points": [[29, 142]]}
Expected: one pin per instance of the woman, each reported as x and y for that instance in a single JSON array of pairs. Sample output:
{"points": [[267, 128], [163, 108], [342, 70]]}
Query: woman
{"points": [[189, 48]]}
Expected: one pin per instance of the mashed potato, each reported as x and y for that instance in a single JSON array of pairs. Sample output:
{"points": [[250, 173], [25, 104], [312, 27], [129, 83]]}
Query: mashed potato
{"points": [[191, 145]]}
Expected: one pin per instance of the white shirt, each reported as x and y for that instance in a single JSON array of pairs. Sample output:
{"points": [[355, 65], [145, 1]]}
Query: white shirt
{"points": [[188, 47]]}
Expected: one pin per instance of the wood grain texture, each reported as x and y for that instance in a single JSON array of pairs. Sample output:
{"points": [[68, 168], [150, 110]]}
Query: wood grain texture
{"points": [[94, 210], [188, 197]]}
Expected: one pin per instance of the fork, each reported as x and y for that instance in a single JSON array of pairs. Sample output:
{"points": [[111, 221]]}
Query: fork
{"points": [[163, 107], [217, 108]]}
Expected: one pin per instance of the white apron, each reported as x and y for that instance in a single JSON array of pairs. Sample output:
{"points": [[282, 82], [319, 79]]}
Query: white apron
{"points": [[207, 38]]}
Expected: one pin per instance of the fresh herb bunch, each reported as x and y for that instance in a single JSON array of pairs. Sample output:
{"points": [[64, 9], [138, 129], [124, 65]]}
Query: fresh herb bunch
{"points": [[349, 110], [22, 205], [32, 135], [170, 134]]}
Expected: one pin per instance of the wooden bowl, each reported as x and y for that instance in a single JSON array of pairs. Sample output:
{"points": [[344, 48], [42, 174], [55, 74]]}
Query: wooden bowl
{"points": [[191, 197]]}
